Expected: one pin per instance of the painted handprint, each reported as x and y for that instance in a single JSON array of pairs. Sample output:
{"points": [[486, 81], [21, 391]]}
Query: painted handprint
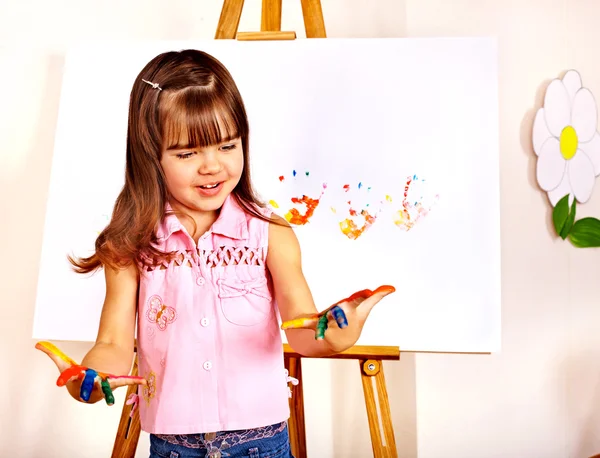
{"points": [[414, 205], [359, 211], [354, 207], [302, 199]]}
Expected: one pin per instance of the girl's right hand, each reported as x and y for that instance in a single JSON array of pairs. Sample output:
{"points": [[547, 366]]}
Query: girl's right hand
{"points": [[86, 384]]}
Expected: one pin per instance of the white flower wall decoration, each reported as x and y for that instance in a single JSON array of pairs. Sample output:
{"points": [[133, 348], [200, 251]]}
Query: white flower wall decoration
{"points": [[567, 143], [566, 140]]}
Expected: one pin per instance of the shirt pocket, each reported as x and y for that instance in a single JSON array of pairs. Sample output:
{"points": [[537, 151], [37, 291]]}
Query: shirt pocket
{"points": [[245, 302]]}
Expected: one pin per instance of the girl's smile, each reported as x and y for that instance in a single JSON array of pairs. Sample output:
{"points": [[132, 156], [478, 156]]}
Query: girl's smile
{"points": [[210, 190]]}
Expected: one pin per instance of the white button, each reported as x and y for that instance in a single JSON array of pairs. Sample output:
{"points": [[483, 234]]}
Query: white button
{"points": [[204, 322], [200, 281], [207, 365]]}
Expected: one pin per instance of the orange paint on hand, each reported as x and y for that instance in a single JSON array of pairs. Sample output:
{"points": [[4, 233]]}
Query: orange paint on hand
{"points": [[366, 293], [68, 374]]}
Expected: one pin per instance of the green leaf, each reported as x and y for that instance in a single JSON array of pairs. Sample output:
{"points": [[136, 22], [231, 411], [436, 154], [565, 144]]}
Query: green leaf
{"points": [[585, 233], [569, 222], [560, 214]]}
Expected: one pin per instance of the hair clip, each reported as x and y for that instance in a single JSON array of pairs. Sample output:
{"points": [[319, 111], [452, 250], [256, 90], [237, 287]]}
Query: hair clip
{"points": [[154, 85]]}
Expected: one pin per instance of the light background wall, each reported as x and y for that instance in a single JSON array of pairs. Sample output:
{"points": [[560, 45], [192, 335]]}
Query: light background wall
{"points": [[539, 397]]}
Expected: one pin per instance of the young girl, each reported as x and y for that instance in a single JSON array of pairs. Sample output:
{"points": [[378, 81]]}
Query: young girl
{"points": [[206, 269]]}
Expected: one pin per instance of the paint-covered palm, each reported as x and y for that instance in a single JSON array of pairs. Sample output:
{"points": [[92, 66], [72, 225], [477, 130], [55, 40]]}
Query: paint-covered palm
{"points": [[89, 386], [340, 325]]}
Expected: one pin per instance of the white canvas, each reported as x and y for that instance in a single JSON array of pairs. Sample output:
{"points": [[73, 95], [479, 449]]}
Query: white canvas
{"points": [[372, 112]]}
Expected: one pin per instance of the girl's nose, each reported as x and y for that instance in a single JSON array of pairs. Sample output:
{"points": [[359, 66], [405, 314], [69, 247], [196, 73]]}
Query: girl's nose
{"points": [[210, 164]]}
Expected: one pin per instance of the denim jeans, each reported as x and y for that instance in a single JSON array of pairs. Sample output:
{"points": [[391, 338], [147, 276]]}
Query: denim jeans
{"points": [[228, 444]]}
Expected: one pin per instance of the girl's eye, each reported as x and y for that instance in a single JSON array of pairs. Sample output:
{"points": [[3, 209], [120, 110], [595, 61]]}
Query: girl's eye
{"points": [[184, 155], [229, 147]]}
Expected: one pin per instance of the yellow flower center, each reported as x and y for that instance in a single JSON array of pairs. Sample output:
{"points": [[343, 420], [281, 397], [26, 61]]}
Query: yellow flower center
{"points": [[568, 142]]}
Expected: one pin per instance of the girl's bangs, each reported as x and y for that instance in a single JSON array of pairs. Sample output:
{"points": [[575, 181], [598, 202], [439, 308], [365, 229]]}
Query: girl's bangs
{"points": [[194, 119]]}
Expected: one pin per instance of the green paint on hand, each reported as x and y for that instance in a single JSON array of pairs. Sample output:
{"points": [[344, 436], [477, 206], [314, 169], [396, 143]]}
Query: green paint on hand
{"points": [[108, 394], [321, 327]]}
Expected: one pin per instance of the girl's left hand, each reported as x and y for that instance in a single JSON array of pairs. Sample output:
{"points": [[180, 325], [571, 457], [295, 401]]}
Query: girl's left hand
{"points": [[341, 324]]}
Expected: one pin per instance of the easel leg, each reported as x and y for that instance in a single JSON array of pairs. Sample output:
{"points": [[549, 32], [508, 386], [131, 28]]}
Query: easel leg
{"points": [[296, 423], [314, 24], [229, 20], [271, 16], [128, 433], [369, 369]]}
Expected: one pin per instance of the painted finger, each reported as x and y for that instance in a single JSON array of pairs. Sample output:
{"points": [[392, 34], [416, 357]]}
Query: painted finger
{"points": [[108, 394], [72, 373], [125, 380], [301, 323], [377, 295], [360, 296], [384, 290], [61, 360], [51, 349], [338, 314], [87, 386], [321, 327]]}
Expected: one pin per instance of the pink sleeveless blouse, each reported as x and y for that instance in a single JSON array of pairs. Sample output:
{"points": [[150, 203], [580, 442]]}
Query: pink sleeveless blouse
{"points": [[209, 342]]}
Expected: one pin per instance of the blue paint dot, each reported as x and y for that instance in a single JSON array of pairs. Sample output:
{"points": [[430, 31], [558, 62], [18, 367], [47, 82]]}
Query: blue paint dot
{"points": [[359, 185], [294, 173]]}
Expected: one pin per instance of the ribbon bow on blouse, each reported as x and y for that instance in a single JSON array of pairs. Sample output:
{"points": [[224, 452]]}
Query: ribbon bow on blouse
{"points": [[133, 400], [233, 287]]}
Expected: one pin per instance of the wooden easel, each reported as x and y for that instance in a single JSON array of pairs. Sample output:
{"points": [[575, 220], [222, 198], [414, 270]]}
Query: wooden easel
{"points": [[370, 361], [370, 358]]}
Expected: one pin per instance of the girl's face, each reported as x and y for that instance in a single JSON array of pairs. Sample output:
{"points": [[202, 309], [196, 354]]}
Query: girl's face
{"points": [[199, 179]]}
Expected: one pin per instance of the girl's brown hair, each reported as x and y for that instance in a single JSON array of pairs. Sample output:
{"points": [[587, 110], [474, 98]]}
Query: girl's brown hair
{"points": [[192, 90]]}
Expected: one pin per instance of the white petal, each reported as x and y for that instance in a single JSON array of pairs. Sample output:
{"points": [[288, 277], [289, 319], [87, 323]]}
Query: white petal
{"points": [[557, 107], [592, 149], [584, 115], [540, 132], [561, 191], [572, 82], [581, 176], [551, 165]]}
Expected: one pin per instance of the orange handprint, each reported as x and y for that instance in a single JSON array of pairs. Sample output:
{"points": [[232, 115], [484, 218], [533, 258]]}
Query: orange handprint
{"points": [[357, 222], [303, 207]]}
